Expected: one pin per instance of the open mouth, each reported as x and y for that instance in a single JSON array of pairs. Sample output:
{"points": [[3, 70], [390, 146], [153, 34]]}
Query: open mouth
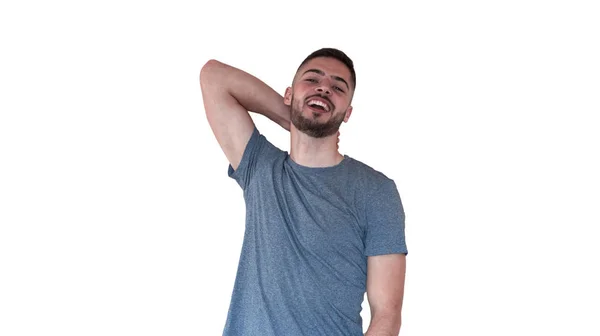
{"points": [[318, 104]]}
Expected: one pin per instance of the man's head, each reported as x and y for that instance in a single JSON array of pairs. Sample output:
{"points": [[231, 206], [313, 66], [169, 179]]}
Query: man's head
{"points": [[321, 92]]}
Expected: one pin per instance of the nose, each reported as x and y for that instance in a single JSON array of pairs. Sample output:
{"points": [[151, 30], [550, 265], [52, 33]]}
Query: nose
{"points": [[323, 89]]}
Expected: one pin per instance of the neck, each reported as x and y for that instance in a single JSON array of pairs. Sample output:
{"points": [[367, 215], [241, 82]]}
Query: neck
{"points": [[314, 152]]}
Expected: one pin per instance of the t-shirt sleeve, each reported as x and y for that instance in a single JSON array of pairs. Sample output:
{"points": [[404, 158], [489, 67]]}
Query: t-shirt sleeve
{"points": [[250, 158], [385, 222]]}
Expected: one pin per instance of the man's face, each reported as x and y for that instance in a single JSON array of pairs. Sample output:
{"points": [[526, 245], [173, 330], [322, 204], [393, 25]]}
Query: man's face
{"points": [[320, 97]]}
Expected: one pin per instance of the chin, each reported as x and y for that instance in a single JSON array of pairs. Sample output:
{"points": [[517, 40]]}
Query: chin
{"points": [[317, 115]]}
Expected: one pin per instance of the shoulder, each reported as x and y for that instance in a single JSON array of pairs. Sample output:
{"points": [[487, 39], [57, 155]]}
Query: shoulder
{"points": [[263, 145], [376, 195], [258, 156], [366, 177]]}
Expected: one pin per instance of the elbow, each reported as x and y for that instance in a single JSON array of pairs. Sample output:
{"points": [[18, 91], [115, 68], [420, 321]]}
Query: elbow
{"points": [[209, 65], [208, 69], [385, 323]]}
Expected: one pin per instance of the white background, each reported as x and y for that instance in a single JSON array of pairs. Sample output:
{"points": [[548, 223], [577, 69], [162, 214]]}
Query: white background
{"points": [[117, 216]]}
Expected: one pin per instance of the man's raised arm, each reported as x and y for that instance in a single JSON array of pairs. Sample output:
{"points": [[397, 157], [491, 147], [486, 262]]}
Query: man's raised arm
{"points": [[228, 94]]}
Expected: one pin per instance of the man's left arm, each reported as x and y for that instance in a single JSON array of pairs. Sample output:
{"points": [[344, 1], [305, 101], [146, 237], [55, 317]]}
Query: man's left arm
{"points": [[385, 293]]}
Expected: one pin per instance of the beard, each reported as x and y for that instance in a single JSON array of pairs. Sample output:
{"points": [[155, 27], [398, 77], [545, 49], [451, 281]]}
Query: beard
{"points": [[311, 126]]}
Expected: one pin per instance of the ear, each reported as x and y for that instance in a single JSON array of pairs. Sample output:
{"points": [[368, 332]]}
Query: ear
{"points": [[348, 113], [287, 98]]}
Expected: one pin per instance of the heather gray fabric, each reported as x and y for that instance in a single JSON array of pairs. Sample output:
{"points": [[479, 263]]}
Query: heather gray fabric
{"points": [[303, 264]]}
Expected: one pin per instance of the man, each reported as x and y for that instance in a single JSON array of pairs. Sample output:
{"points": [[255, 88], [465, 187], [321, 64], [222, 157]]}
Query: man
{"points": [[321, 227]]}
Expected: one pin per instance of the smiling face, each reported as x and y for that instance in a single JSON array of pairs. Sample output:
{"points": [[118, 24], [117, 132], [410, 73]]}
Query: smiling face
{"points": [[320, 97]]}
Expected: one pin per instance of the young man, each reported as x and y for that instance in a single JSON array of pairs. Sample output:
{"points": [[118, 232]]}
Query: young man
{"points": [[321, 227]]}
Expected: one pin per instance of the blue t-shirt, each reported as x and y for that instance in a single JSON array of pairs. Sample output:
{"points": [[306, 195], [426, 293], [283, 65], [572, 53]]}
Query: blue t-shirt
{"points": [[309, 231]]}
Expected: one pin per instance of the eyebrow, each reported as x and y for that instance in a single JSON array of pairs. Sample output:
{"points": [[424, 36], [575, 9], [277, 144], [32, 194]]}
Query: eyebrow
{"points": [[317, 71]]}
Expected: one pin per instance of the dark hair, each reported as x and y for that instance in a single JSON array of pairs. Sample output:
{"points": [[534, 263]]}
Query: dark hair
{"points": [[338, 55]]}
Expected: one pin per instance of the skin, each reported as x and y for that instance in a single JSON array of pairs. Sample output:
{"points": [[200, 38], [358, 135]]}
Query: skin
{"points": [[385, 292], [229, 94], [332, 84]]}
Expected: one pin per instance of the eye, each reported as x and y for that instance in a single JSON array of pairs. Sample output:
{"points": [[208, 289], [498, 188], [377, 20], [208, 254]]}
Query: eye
{"points": [[312, 80], [338, 88]]}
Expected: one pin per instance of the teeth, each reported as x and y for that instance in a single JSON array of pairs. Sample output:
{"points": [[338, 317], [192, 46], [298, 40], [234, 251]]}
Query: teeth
{"points": [[320, 103]]}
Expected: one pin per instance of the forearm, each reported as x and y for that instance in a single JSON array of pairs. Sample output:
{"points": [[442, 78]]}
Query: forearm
{"points": [[250, 92], [384, 325]]}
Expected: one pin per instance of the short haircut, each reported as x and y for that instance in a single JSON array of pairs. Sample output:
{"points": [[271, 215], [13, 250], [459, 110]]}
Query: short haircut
{"points": [[338, 55]]}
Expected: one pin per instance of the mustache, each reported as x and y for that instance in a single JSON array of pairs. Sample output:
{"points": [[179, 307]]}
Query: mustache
{"points": [[324, 98]]}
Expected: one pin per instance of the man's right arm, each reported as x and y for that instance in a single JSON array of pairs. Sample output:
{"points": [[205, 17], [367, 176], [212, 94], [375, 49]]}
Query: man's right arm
{"points": [[228, 94]]}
